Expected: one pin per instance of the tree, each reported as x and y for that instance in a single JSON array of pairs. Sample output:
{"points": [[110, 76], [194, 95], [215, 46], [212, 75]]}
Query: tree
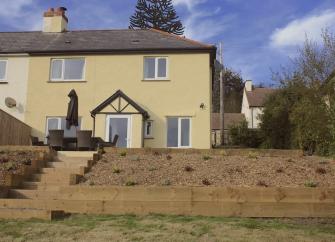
{"points": [[234, 86], [301, 114], [156, 14]]}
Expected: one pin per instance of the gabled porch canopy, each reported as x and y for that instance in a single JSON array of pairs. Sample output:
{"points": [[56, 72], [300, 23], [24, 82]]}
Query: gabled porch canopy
{"points": [[120, 109]]}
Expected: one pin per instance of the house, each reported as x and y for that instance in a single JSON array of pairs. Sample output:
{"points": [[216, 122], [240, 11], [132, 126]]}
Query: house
{"points": [[230, 119], [151, 88], [253, 103], [13, 83]]}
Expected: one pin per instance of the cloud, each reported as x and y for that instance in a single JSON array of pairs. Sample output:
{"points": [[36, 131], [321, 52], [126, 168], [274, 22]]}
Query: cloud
{"points": [[188, 3], [21, 14], [204, 25], [201, 23], [294, 33]]}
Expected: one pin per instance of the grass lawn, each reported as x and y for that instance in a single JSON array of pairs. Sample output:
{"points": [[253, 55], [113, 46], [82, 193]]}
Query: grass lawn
{"points": [[167, 228]]}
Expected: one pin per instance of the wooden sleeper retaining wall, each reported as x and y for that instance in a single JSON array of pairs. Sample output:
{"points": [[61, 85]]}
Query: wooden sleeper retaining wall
{"points": [[205, 201]]}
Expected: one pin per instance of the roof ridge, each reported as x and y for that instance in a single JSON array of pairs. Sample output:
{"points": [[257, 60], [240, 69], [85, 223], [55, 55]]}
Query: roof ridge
{"points": [[181, 38]]}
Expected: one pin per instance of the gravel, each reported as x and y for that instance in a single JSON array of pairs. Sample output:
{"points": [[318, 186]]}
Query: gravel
{"points": [[211, 170], [12, 161]]}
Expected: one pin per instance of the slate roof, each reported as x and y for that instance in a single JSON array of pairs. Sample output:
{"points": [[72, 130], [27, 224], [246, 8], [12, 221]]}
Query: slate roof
{"points": [[37, 42], [257, 96], [229, 120]]}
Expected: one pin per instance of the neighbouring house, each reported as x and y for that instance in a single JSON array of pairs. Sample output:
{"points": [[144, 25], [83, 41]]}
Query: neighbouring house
{"points": [[151, 88], [13, 81], [253, 103], [230, 119]]}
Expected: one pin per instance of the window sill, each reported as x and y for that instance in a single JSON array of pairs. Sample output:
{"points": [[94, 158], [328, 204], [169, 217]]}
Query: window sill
{"points": [[3, 82], [156, 80], [66, 81]]}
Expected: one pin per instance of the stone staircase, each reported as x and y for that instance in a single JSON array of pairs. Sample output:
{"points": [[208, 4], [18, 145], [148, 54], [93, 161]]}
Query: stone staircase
{"points": [[65, 170]]}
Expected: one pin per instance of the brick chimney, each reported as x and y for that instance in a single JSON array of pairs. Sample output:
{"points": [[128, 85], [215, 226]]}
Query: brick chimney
{"points": [[248, 85], [55, 20]]}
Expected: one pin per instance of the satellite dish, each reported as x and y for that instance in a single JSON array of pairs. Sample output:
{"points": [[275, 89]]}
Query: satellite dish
{"points": [[10, 102]]}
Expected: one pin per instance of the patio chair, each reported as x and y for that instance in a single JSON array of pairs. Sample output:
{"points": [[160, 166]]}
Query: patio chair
{"points": [[56, 139], [35, 142], [102, 144], [84, 139], [115, 139]]}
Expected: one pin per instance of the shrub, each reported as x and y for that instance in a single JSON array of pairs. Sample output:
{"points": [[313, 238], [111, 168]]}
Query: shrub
{"points": [[311, 184], [27, 162], [117, 170], [3, 160], [253, 155], [131, 183], [156, 153], [241, 135], [188, 168], [206, 182], [280, 170], [152, 169], [206, 157], [10, 166], [321, 170], [166, 182], [262, 184]]}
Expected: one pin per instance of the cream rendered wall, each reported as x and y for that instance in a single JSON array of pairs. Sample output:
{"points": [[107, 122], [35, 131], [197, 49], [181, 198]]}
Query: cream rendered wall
{"points": [[17, 77], [246, 109], [189, 85], [251, 113], [256, 112]]}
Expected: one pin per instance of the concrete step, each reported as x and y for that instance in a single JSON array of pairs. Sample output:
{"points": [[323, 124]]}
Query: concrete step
{"points": [[42, 186], [29, 213], [33, 194]]}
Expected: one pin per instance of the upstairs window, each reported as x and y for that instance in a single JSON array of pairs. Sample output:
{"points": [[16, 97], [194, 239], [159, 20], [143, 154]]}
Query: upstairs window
{"points": [[155, 68], [3, 70], [67, 69]]}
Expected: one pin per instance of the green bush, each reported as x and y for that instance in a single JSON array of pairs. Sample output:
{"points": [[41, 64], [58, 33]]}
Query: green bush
{"points": [[241, 135], [298, 117]]}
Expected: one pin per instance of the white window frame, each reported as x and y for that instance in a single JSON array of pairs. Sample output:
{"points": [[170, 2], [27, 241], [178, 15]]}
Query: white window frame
{"points": [[59, 125], [156, 68], [146, 135], [63, 70], [179, 133], [129, 127], [6, 70]]}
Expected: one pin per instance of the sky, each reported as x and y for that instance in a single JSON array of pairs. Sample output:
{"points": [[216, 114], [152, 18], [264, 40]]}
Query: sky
{"points": [[258, 36]]}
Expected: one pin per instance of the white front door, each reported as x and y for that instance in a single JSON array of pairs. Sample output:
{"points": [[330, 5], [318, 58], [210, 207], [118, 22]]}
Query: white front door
{"points": [[119, 125]]}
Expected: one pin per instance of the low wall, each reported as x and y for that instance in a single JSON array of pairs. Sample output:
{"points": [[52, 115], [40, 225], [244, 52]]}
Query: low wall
{"points": [[205, 201], [228, 152]]}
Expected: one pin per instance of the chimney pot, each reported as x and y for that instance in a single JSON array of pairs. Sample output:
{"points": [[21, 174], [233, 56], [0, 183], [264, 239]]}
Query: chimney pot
{"points": [[55, 20]]}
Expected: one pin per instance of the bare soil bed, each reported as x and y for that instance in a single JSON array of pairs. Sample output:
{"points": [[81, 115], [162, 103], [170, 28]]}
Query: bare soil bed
{"points": [[155, 168], [11, 161]]}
